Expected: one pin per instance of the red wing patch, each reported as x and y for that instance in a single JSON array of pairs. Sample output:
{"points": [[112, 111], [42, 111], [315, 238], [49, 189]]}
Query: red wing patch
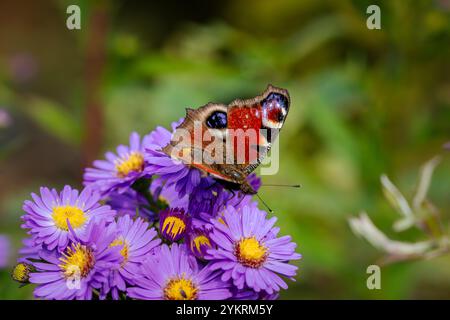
{"points": [[246, 121]]}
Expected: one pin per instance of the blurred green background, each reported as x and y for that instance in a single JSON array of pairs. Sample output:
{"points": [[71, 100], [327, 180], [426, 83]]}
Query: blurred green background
{"points": [[364, 102]]}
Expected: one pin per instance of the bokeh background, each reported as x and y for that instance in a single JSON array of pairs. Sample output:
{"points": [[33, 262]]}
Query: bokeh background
{"points": [[364, 102]]}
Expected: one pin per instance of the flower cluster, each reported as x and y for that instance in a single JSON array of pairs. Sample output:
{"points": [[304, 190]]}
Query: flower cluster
{"points": [[146, 226]]}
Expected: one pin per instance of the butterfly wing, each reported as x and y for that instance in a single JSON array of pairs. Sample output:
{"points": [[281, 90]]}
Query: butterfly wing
{"points": [[229, 141], [192, 141], [255, 125]]}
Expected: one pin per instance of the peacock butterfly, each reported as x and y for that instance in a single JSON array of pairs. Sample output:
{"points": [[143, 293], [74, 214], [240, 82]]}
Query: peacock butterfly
{"points": [[228, 142]]}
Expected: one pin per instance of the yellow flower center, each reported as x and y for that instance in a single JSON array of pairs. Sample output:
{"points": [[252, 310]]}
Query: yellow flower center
{"points": [[198, 241], [77, 260], [180, 289], [124, 250], [75, 215], [173, 226], [134, 163], [21, 272], [250, 252]]}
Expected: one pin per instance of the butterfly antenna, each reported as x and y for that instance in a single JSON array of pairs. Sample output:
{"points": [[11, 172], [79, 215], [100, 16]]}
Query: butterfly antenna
{"points": [[282, 185], [264, 203]]}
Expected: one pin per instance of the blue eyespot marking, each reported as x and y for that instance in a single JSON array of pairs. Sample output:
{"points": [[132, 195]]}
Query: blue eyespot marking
{"points": [[217, 120]]}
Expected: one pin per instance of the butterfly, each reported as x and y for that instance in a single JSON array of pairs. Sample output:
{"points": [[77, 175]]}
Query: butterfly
{"points": [[251, 125]]}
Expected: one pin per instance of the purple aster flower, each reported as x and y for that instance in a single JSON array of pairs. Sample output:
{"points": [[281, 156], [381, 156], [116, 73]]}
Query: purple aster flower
{"points": [[243, 294], [83, 266], [249, 294], [223, 202], [199, 241], [130, 203], [210, 198], [49, 216], [119, 171], [174, 274], [172, 171], [167, 195], [4, 251], [21, 272], [29, 251], [174, 223], [254, 181], [248, 251], [136, 241]]}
